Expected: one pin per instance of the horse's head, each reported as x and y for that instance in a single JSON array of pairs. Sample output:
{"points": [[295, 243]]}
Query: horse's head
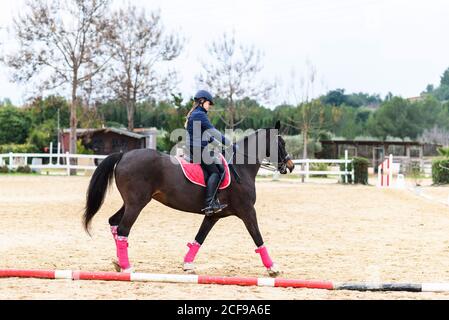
{"points": [[281, 157]]}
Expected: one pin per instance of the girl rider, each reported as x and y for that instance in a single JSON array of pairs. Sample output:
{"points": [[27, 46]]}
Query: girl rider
{"points": [[197, 124]]}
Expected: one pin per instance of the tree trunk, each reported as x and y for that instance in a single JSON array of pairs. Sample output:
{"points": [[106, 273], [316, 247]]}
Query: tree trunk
{"points": [[305, 140], [73, 123], [130, 107], [232, 114]]}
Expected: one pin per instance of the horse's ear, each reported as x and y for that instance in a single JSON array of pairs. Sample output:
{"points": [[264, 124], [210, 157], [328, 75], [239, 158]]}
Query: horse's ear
{"points": [[278, 125]]}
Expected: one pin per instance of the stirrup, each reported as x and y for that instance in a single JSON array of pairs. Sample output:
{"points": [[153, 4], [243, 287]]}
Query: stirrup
{"points": [[214, 207], [208, 211]]}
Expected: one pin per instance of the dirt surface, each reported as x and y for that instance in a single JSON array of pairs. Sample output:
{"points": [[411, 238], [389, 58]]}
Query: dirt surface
{"points": [[313, 231]]}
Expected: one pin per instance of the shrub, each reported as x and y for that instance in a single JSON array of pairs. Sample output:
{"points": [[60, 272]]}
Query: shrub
{"points": [[18, 148], [40, 138], [319, 167], [440, 171], [25, 169], [4, 169], [360, 170], [81, 149], [295, 146]]}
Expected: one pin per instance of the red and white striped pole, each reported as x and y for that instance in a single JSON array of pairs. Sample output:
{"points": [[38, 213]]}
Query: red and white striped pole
{"points": [[168, 278], [239, 281], [385, 172]]}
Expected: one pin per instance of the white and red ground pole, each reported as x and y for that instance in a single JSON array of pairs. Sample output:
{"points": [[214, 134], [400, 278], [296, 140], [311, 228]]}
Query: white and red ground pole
{"points": [[239, 281]]}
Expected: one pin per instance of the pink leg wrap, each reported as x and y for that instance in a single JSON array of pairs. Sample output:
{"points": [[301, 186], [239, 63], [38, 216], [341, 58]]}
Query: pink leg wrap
{"points": [[122, 252], [190, 256], [267, 262]]}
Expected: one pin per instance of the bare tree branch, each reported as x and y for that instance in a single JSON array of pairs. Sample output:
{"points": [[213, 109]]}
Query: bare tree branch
{"points": [[60, 44], [231, 75], [140, 44]]}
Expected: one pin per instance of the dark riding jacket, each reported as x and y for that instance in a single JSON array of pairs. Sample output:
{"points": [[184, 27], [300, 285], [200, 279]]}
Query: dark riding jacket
{"points": [[198, 118]]}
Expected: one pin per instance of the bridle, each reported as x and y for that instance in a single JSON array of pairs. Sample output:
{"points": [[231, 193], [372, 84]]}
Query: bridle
{"points": [[281, 166]]}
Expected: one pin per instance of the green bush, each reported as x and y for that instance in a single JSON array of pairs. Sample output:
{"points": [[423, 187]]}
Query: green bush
{"points": [[319, 167], [18, 148], [4, 169], [81, 149], [295, 146], [360, 170], [39, 138], [25, 169], [440, 171]]}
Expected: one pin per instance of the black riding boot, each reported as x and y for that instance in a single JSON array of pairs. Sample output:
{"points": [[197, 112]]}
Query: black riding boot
{"points": [[211, 204]]}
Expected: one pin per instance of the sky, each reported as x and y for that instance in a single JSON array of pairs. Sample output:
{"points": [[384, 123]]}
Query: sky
{"points": [[373, 46]]}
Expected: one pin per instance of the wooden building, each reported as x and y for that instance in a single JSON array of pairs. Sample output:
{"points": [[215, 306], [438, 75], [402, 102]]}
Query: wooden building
{"points": [[109, 140], [405, 152]]}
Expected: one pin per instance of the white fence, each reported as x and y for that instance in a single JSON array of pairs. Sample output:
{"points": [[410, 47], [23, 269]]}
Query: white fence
{"points": [[56, 161], [64, 161], [306, 163]]}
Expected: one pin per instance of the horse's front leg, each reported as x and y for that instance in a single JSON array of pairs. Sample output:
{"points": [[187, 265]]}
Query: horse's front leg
{"points": [[250, 220], [194, 247]]}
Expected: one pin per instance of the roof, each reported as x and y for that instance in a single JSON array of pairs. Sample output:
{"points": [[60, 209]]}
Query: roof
{"points": [[106, 130], [146, 130], [371, 142]]}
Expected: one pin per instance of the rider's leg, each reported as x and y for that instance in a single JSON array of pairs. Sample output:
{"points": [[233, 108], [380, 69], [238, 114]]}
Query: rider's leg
{"points": [[212, 184]]}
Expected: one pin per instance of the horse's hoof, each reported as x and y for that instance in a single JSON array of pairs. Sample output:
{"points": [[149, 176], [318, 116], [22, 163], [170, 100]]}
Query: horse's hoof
{"points": [[189, 268], [119, 269], [116, 266], [274, 271]]}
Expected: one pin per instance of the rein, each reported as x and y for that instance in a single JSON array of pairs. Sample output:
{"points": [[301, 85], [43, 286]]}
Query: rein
{"points": [[265, 165]]}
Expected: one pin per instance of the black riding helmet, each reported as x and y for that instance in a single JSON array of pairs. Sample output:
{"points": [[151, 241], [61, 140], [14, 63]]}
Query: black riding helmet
{"points": [[203, 94]]}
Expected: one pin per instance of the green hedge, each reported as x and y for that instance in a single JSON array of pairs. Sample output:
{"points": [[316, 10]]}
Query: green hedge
{"points": [[21, 170], [25, 169], [18, 148], [360, 170], [440, 171]]}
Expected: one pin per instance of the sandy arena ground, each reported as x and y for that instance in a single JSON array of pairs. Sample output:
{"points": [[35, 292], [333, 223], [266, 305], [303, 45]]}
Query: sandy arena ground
{"points": [[313, 231]]}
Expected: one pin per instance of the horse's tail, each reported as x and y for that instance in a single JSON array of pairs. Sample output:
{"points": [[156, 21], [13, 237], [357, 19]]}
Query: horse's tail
{"points": [[96, 192]]}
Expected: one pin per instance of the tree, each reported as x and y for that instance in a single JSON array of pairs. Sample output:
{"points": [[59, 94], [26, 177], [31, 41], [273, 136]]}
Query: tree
{"points": [[14, 125], [60, 46], [397, 118], [445, 78], [309, 116], [335, 97], [42, 110], [232, 74], [139, 44]]}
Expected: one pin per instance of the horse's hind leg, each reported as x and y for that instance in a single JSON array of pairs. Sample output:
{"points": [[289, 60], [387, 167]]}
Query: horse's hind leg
{"points": [[114, 221]]}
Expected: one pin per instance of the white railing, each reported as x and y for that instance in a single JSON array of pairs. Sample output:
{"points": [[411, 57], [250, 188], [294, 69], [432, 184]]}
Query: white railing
{"points": [[306, 163], [64, 161]]}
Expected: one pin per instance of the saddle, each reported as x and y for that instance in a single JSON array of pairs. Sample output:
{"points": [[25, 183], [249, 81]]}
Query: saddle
{"points": [[195, 174]]}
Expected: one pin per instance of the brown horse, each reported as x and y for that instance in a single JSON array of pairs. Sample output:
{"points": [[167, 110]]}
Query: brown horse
{"points": [[142, 175]]}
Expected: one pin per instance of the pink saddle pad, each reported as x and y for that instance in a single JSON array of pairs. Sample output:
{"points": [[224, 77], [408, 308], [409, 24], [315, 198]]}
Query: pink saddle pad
{"points": [[194, 173]]}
